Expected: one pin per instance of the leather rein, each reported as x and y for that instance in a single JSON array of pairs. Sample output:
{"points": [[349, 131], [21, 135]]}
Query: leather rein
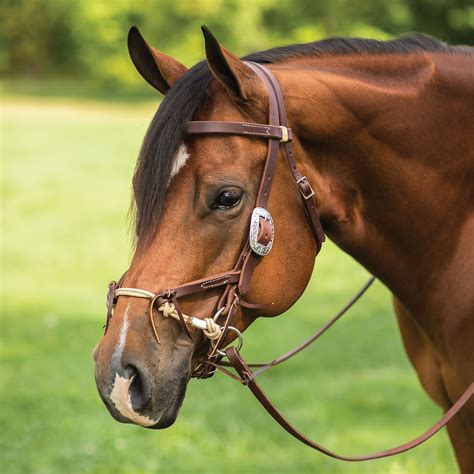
{"points": [[236, 282]]}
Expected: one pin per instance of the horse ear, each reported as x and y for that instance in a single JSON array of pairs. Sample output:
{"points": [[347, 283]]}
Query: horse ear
{"points": [[229, 70], [158, 69]]}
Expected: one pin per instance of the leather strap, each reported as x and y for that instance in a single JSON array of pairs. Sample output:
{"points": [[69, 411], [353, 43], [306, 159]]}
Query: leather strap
{"points": [[197, 286], [240, 128], [245, 373], [264, 366], [264, 232], [306, 191], [251, 260]]}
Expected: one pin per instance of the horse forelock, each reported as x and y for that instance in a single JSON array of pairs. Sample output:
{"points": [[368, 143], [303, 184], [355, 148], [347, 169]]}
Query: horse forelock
{"points": [[163, 153]]}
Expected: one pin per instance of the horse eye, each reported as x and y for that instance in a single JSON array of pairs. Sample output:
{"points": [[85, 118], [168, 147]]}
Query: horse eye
{"points": [[228, 199]]}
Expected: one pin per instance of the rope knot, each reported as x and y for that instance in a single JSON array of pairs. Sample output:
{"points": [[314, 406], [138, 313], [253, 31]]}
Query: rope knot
{"points": [[213, 331], [168, 309]]}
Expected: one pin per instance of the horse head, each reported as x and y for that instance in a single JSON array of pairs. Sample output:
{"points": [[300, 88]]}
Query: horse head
{"points": [[195, 196]]}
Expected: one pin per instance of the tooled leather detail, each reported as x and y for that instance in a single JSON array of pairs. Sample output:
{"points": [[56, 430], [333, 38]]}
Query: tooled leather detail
{"points": [[258, 129], [219, 281]]}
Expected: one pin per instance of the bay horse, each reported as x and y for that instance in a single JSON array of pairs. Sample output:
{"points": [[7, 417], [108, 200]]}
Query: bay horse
{"points": [[383, 131]]}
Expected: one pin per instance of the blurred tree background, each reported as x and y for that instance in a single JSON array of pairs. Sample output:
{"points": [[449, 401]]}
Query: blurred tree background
{"points": [[85, 39]]}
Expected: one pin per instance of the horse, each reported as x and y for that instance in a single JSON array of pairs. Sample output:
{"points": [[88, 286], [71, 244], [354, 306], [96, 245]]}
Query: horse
{"points": [[383, 131]]}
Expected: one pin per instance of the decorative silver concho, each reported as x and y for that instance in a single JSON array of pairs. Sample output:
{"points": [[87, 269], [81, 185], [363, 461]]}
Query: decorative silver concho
{"points": [[258, 248]]}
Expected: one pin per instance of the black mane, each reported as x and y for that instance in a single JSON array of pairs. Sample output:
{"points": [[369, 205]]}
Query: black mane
{"points": [[190, 92]]}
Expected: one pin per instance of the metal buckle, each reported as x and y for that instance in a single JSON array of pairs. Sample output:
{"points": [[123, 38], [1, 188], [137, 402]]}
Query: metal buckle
{"points": [[302, 180], [258, 248]]}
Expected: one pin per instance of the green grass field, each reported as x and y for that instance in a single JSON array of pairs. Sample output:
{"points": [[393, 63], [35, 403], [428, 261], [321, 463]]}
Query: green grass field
{"points": [[66, 178]]}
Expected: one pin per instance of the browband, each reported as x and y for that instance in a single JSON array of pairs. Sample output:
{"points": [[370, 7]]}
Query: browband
{"points": [[281, 133]]}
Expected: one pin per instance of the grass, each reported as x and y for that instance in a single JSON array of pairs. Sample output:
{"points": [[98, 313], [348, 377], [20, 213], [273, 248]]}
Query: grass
{"points": [[66, 174]]}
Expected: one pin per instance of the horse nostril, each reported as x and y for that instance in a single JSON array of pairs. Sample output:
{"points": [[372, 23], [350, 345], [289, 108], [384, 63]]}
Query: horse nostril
{"points": [[138, 388], [128, 372]]}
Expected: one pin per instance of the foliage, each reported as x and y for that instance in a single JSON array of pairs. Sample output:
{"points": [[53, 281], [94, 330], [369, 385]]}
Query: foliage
{"points": [[65, 194], [86, 38]]}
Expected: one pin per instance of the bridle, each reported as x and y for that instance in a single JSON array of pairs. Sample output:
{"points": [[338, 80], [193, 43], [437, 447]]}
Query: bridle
{"points": [[236, 282]]}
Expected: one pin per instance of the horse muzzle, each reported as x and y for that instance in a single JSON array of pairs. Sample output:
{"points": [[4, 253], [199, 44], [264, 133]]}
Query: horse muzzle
{"points": [[146, 392]]}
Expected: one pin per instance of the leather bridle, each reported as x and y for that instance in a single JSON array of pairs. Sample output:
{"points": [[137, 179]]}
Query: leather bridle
{"points": [[236, 282]]}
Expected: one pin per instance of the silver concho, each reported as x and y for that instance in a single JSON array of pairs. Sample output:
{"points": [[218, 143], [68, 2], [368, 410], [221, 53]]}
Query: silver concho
{"points": [[260, 249]]}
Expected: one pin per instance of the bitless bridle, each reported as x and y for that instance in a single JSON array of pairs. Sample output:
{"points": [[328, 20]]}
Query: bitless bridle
{"points": [[235, 282]]}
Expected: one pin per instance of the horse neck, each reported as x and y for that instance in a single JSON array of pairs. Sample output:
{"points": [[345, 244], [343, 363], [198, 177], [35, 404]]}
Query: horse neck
{"points": [[387, 142]]}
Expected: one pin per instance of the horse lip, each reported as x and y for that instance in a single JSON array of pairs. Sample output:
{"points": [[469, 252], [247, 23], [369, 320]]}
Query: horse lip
{"points": [[170, 413], [167, 419]]}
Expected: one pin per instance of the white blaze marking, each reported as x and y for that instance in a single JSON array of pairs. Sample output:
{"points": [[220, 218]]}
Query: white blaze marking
{"points": [[120, 396], [122, 337], [180, 159]]}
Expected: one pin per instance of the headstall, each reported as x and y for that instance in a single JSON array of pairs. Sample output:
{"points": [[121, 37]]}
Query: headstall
{"points": [[236, 282]]}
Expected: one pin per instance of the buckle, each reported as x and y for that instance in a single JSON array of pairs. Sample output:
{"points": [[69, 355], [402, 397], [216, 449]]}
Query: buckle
{"points": [[255, 245], [303, 182]]}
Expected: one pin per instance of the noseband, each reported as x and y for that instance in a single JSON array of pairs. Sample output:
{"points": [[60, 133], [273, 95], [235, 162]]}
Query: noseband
{"points": [[236, 282]]}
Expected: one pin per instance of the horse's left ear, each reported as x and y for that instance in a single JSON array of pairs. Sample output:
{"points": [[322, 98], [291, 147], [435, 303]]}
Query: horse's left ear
{"points": [[239, 80], [158, 69]]}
